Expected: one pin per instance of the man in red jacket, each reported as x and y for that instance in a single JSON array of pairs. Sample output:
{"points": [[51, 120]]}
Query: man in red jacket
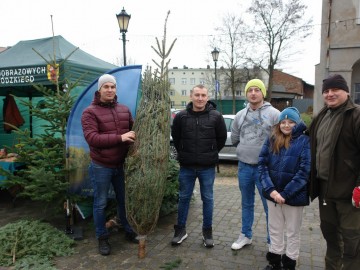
{"points": [[107, 129]]}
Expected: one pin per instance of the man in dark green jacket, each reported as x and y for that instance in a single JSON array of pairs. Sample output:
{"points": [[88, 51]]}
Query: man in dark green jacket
{"points": [[335, 173]]}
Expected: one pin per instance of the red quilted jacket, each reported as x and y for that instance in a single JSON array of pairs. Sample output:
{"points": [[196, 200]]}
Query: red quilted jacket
{"points": [[102, 124]]}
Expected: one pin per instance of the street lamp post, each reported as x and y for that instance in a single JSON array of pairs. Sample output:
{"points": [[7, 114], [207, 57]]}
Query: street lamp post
{"points": [[123, 20], [215, 56]]}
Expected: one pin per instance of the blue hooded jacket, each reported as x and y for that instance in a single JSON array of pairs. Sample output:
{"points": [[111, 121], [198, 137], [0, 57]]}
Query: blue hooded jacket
{"points": [[288, 171]]}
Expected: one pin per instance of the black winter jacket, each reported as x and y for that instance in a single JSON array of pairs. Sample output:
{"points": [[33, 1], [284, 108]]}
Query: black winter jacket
{"points": [[199, 136]]}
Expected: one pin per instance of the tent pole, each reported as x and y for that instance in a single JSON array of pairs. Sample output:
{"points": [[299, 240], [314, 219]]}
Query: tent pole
{"points": [[30, 115]]}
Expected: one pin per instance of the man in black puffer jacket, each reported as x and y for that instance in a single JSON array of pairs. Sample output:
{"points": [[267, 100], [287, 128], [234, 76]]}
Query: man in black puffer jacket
{"points": [[199, 133]]}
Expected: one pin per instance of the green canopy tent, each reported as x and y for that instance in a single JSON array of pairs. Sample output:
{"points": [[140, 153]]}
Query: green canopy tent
{"points": [[23, 65]]}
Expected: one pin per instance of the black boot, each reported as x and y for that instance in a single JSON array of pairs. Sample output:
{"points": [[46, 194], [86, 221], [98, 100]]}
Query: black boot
{"points": [[207, 238], [288, 264], [179, 236], [274, 261], [104, 246]]}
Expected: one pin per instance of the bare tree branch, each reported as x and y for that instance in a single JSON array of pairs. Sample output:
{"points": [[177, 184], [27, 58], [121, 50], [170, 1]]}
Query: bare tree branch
{"points": [[276, 25]]}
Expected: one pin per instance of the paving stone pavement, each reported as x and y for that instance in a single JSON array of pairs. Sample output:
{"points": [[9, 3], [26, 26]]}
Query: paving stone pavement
{"points": [[192, 253]]}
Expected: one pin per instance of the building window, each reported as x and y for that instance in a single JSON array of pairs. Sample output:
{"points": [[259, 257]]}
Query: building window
{"points": [[183, 92], [226, 93], [238, 93], [183, 103], [192, 81], [202, 81], [172, 93], [183, 81], [357, 93], [172, 80]]}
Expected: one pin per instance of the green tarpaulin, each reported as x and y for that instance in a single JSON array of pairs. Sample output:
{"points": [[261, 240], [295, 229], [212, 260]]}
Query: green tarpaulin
{"points": [[22, 66]]}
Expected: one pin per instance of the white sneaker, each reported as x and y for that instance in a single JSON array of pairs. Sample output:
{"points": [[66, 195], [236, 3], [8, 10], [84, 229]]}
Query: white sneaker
{"points": [[241, 242]]}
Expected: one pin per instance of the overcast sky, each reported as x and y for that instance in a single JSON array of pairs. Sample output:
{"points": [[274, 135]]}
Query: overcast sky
{"points": [[92, 26]]}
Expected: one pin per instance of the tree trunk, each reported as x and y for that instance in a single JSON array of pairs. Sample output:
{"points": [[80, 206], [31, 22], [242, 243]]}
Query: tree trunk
{"points": [[142, 246], [270, 84]]}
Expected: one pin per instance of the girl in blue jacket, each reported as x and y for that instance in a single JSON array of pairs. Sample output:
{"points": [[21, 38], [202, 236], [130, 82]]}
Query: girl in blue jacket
{"points": [[284, 167]]}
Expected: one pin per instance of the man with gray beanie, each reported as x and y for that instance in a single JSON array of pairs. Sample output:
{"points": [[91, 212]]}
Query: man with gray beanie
{"points": [[335, 173], [107, 129]]}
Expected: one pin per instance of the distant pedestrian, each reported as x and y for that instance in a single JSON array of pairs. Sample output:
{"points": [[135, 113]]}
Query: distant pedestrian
{"points": [[199, 133], [251, 126], [284, 167], [335, 173]]}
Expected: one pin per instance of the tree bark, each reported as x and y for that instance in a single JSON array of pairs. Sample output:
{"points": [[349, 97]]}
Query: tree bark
{"points": [[142, 246]]}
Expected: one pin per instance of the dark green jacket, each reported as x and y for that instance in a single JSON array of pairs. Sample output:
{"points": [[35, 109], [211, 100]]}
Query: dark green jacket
{"points": [[344, 174]]}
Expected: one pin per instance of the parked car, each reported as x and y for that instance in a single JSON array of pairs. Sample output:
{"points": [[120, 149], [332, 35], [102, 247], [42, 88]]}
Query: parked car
{"points": [[227, 153], [173, 113], [229, 150]]}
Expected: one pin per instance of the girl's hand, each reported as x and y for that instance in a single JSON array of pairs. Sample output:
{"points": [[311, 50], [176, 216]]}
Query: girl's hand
{"points": [[277, 197]]}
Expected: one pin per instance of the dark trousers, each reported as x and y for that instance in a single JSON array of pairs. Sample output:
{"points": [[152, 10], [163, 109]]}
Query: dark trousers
{"points": [[340, 226]]}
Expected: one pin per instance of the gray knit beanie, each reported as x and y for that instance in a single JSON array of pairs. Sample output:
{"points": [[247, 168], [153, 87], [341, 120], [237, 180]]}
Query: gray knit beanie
{"points": [[105, 79]]}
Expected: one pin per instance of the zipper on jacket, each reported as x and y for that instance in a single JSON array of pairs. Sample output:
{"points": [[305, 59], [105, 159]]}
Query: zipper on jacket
{"points": [[325, 193], [197, 135]]}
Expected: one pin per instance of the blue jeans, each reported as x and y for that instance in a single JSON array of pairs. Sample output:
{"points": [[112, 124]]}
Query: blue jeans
{"points": [[101, 178], [187, 178], [248, 176]]}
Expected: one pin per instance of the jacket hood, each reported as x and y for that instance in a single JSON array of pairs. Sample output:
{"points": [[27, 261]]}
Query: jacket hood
{"points": [[264, 106]]}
